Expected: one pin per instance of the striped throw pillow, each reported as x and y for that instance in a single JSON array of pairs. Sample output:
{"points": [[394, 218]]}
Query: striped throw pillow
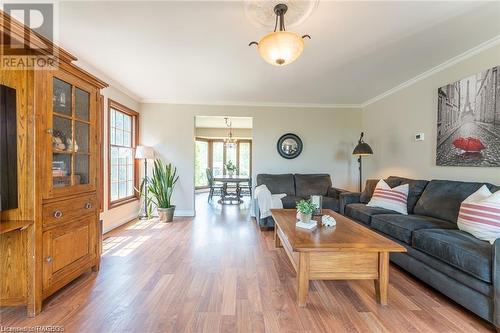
{"points": [[480, 215], [395, 199]]}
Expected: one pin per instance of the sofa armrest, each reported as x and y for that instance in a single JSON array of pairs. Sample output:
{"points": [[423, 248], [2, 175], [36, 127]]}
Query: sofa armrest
{"points": [[267, 222], [348, 198], [496, 282], [334, 192], [256, 209]]}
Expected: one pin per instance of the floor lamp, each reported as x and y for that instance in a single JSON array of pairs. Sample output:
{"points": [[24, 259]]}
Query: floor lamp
{"points": [[145, 153], [362, 149]]}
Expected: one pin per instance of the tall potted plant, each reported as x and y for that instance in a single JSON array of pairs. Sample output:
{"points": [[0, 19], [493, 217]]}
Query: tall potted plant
{"points": [[161, 186]]}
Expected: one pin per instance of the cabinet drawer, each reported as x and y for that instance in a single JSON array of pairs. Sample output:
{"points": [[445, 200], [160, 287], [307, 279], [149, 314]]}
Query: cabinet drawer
{"points": [[68, 210]]}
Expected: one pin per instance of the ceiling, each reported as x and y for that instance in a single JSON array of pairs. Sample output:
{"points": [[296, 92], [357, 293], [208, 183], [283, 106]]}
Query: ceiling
{"points": [[197, 52], [220, 122]]}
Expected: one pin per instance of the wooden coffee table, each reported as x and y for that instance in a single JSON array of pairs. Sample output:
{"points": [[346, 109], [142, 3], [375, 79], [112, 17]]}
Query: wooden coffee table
{"points": [[347, 251]]}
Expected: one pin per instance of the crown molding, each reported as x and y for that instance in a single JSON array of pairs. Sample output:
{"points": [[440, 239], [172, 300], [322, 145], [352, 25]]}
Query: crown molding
{"points": [[112, 82], [251, 104], [448, 63]]}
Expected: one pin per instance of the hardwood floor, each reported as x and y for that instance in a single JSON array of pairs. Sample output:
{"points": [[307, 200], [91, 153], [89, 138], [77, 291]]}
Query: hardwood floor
{"points": [[219, 272]]}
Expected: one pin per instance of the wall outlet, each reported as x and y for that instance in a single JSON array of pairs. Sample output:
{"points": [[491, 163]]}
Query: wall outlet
{"points": [[419, 137]]}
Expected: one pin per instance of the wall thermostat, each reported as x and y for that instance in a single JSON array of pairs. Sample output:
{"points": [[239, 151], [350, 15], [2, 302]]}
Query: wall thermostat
{"points": [[419, 137]]}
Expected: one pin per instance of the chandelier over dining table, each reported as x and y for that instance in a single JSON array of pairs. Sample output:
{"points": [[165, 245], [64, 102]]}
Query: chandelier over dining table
{"points": [[229, 141]]}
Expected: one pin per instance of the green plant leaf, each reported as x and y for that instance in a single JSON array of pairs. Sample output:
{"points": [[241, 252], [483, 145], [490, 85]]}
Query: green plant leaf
{"points": [[162, 183], [306, 207]]}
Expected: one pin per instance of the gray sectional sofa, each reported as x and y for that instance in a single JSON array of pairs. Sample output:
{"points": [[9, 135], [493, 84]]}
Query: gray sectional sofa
{"points": [[454, 262], [298, 187]]}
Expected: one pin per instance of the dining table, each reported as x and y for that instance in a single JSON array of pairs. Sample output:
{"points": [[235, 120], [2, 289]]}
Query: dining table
{"points": [[227, 196]]}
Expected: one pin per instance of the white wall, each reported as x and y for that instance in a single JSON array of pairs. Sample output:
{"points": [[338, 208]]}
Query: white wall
{"points": [[391, 123], [329, 136]]}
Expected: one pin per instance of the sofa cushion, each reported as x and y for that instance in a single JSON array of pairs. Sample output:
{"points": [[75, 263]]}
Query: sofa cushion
{"points": [[362, 213], [290, 201], [417, 187], [331, 203], [370, 185], [479, 215], [457, 248], [401, 227], [278, 184], [367, 193], [452, 272], [442, 198], [312, 184], [395, 198]]}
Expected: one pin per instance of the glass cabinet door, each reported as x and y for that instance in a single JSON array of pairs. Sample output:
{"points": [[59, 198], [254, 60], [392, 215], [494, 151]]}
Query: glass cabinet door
{"points": [[71, 133]]}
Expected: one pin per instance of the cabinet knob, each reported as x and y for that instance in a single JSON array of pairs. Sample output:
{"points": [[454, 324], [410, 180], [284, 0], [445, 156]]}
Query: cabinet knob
{"points": [[88, 205], [50, 131], [58, 214], [49, 259]]}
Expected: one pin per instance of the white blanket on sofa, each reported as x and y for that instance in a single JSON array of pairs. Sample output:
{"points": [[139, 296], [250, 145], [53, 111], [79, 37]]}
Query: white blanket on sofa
{"points": [[267, 201]]}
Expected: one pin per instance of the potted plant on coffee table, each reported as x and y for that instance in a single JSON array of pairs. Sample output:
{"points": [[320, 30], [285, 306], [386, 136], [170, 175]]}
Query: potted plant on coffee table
{"points": [[161, 186], [305, 210]]}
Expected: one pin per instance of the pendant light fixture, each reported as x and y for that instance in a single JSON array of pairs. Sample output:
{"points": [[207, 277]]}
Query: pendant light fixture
{"points": [[280, 48], [229, 141]]}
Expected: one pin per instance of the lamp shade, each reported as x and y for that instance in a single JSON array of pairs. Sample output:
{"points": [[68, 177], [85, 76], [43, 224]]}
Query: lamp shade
{"points": [[362, 149], [144, 152], [281, 48]]}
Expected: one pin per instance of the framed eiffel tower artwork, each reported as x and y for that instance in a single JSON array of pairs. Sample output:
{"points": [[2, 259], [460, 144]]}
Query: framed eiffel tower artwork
{"points": [[468, 121]]}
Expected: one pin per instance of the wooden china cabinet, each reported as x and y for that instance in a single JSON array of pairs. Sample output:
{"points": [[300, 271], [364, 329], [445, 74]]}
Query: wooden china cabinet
{"points": [[54, 235], [70, 207]]}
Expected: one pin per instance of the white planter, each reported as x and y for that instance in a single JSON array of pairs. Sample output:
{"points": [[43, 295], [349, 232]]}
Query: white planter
{"points": [[304, 218]]}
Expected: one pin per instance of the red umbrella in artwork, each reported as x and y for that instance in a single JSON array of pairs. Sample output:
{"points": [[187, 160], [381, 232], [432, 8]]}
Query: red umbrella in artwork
{"points": [[469, 145]]}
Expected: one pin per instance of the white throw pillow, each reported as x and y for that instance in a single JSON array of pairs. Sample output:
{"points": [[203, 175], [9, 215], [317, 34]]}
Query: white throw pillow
{"points": [[480, 215], [395, 199]]}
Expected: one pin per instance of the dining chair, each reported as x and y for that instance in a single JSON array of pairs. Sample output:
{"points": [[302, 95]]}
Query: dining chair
{"points": [[215, 188], [245, 189]]}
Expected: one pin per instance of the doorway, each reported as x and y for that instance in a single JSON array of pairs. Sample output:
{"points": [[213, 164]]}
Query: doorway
{"points": [[223, 148]]}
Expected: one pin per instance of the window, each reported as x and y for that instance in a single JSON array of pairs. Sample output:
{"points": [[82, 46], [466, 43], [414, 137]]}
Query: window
{"points": [[218, 158], [201, 163], [211, 153], [244, 161], [123, 168]]}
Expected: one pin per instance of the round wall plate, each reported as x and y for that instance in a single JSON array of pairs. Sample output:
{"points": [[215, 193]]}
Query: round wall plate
{"points": [[261, 13]]}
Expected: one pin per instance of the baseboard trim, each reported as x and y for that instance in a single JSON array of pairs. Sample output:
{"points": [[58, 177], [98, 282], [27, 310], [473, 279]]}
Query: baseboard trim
{"points": [[119, 223], [178, 212], [184, 213]]}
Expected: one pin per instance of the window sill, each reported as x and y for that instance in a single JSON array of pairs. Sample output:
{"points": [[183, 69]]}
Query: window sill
{"points": [[121, 202]]}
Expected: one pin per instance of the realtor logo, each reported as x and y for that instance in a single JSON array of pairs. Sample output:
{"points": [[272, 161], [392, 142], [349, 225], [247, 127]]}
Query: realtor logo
{"points": [[39, 17], [16, 52]]}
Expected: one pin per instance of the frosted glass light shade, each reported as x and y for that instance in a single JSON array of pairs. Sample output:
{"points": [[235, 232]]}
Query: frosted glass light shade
{"points": [[144, 152], [281, 48]]}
